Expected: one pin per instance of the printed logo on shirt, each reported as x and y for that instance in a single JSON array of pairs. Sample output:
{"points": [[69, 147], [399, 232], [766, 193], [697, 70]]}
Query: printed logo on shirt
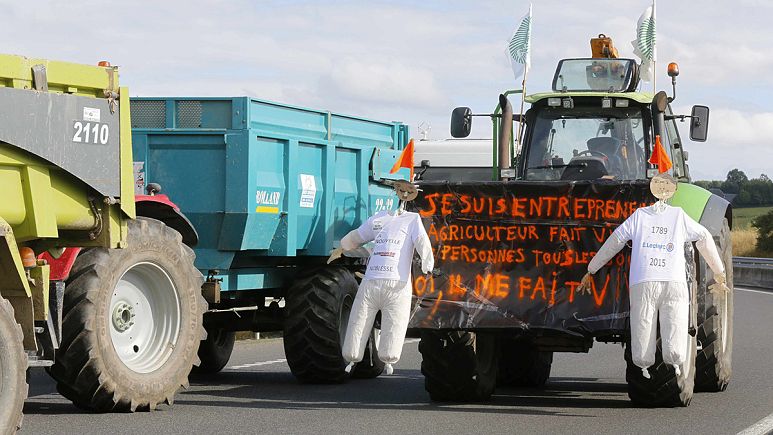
{"points": [[384, 253], [659, 246], [382, 268]]}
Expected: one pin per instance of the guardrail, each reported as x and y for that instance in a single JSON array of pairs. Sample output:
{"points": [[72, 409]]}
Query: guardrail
{"points": [[753, 272]]}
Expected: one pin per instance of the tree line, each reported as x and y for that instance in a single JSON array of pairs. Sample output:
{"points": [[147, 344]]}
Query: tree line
{"points": [[754, 192]]}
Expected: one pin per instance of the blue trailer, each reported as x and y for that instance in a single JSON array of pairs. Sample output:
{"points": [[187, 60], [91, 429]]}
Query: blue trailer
{"points": [[270, 190]]}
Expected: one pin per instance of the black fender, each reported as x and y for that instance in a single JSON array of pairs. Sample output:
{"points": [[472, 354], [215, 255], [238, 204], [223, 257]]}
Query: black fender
{"points": [[161, 208]]}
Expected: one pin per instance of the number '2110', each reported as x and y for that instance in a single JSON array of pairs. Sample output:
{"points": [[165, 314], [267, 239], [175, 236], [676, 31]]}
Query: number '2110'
{"points": [[90, 132]]}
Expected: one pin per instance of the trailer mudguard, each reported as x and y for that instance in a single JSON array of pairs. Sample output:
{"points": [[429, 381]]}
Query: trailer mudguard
{"points": [[160, 207]]}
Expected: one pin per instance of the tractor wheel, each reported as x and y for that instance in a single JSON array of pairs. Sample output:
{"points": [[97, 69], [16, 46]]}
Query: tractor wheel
{"points": [[715, 325], [459, 365], [522, 365], [664, 388], [317, 312], [215, 351], [13, 369], [132, 322], [370, 366]]}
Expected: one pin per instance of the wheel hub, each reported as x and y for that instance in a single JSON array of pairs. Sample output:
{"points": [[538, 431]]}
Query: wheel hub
{"points": [[145, 317], [123, 316]]}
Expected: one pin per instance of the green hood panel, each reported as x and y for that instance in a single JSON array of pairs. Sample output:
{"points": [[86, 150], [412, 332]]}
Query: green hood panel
{"points": [[692, 199]]}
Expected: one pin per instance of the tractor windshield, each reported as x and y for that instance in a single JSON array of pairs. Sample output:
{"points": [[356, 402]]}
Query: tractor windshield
{"points": [[572, 144], [605, 75]]}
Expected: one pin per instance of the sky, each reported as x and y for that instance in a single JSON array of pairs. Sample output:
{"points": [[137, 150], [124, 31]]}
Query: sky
{"points": [[415, 61]]}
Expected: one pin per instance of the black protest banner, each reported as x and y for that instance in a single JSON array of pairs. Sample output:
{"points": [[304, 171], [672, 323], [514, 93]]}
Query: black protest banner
{"points": [[513, 254]]}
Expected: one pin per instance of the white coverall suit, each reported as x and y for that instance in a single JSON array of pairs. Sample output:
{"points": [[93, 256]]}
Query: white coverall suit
{"points": [[387, 286], [657, 279]]}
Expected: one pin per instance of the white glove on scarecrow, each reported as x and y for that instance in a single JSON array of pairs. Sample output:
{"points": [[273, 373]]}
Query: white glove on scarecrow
{"points": [[387, 285], [657, 278]]}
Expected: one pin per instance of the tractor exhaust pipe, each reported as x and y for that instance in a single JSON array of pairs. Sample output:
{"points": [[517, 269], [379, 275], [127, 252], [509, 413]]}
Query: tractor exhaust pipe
{"points": [[505, 132]]}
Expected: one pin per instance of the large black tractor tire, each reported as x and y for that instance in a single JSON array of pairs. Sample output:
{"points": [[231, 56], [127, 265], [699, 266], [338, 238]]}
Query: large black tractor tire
{"points": [[215, 351], [117, 354], [370, 366], [317, 313], [715, 325], [13, 370], [522, 365], [459, 366], [664, 388]]}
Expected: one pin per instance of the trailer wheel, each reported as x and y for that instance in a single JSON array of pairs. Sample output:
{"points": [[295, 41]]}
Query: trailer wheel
{"points": [[317, 312], [459, 365], [132, 322], [215, 351], [522, 365], [13, 369], [715, 325], [370, 366]]}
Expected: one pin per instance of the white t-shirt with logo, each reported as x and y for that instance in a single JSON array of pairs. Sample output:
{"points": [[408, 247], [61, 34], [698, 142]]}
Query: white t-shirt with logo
{"points": [[394, 235], [658, 243]]}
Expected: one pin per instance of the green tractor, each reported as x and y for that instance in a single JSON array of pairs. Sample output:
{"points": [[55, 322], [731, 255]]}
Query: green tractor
{"points": [[97, 283], [512, 244]]}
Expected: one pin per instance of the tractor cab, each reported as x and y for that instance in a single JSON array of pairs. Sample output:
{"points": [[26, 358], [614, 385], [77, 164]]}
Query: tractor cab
{"points": [[592, 125]]}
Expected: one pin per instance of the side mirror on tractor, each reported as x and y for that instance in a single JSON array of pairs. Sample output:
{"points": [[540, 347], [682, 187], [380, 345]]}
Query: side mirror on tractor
{"points": [[699, 123], [461, 122]]}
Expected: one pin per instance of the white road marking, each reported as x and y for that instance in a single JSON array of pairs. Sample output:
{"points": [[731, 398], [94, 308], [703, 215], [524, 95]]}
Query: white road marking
{"points": [[764, 426], [755, 291], [256, 364], [283, 360]]}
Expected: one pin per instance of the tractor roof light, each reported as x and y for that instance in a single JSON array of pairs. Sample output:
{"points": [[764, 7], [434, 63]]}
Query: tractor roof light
{"points": [[104, 63], [606, 103], [673, 69], [554, 102], [621, 102]]}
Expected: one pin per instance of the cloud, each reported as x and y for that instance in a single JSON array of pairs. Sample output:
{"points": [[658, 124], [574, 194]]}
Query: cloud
{"points": [[405, 60], [737, 139], [735, 129], [387, 82]]}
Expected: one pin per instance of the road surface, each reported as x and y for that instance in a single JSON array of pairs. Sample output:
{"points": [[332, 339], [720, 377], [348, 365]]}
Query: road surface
{"points": [[586, 394]]}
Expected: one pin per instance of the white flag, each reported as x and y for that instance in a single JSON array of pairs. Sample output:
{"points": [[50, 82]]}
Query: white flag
{"points": [[644, 44], [519, 46]]}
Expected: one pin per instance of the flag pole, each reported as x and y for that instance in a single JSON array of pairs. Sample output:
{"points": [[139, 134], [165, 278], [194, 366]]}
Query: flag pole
{"points": [[526, 65], [523, 97]]}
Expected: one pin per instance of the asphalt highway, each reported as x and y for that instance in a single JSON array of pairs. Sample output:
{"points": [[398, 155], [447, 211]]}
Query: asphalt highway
{"points": [[586, 394]]}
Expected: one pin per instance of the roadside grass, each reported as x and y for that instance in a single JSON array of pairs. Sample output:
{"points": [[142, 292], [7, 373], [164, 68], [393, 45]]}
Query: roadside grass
{"points": [[745, 243], [742, 217], [249, 335]]}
